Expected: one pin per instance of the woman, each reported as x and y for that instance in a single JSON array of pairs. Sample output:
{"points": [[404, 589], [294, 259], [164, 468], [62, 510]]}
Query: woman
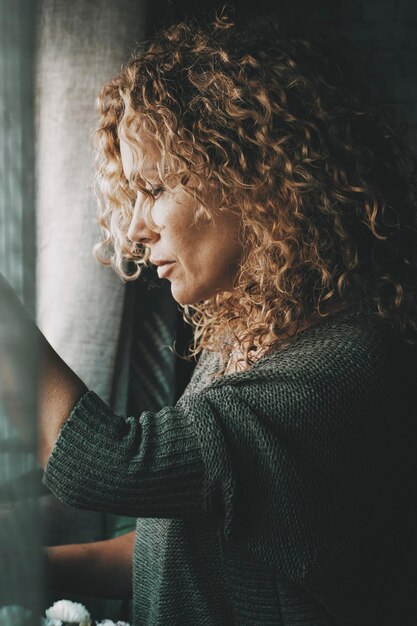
{"points": [[258, 177]]}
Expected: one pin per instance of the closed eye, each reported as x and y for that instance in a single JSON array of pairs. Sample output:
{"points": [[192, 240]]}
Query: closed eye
{"points": [[157, 191]]}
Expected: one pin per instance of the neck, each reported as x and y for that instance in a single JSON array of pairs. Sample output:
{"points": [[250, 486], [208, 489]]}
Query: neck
{"points": [[237, 362]]}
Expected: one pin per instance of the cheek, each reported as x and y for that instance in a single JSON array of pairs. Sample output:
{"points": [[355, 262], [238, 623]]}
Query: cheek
{"points": [[160, 215]]}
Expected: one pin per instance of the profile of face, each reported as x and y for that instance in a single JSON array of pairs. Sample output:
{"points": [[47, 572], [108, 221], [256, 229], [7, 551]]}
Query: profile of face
{"points": [[199, 257]]}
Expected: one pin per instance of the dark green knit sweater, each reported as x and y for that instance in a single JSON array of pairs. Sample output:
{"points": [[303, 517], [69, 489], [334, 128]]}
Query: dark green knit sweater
{"points": [[271, 496]]}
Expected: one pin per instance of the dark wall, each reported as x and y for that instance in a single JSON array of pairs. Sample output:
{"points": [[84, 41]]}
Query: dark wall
{"points": [[382, 30]]}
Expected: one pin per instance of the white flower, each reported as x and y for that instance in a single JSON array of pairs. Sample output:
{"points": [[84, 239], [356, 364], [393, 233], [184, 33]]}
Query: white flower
{"points": [[13, 615], [68, 611]]}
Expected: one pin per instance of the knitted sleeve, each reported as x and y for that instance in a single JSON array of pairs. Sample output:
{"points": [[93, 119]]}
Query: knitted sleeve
{"points": [[280, 459], [147, 466]]}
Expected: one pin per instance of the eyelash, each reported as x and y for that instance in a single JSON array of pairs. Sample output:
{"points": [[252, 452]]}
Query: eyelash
{"points": [[157, 191]]}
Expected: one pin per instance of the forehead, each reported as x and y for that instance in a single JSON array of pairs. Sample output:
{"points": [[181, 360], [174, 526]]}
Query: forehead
{"points": [[139, 155]]}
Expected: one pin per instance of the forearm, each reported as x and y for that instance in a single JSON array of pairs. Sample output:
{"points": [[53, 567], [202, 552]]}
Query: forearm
{"points": [[101, 569], [34, 381], [58, 392]]}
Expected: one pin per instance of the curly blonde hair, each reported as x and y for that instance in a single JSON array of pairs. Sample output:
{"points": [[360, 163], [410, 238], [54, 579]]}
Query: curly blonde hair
{"points": [[280, 128]]}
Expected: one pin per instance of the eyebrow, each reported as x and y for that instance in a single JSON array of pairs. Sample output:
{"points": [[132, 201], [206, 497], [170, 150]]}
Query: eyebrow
{"points": [[150, 174]]}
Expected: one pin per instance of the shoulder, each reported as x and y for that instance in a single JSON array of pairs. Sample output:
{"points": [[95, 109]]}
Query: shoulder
{"points": [[331, 383], [338, 367], [337, 363], [343, 344]]}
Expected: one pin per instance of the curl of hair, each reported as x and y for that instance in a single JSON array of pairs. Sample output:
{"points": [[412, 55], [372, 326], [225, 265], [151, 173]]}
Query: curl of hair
{"points": [[323, 177]]}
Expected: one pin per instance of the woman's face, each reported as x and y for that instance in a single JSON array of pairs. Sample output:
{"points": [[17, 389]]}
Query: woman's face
{"points": [[199, 259]]}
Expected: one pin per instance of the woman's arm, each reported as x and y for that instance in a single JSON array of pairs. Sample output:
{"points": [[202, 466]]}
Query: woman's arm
{"points": [[58, 392], [102, 569], [31, 369]]}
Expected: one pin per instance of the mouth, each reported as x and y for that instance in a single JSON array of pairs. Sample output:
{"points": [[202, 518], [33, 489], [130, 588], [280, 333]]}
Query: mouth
{"points": [[163, 266]]}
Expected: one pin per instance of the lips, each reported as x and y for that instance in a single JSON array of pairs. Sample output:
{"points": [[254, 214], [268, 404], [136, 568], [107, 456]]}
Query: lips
{"points": [[164, 266], [159, 262]]}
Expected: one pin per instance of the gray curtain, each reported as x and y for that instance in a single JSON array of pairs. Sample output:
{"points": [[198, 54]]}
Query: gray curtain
{"points": [[80, 304]]}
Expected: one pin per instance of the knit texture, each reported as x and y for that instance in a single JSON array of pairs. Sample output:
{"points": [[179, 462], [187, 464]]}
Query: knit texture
{"points": [[263, 497]]}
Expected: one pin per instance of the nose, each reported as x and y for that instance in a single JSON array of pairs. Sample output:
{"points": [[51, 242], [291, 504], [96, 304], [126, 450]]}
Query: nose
{"points": [[139, 231]]}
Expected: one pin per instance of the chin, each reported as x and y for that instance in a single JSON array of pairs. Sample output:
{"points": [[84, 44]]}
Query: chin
{"points": [[189, 296], [183, 297]]}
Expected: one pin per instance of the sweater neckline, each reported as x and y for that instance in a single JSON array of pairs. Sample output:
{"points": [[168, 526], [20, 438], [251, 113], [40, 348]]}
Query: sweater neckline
{"points": [[319, 327]]}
